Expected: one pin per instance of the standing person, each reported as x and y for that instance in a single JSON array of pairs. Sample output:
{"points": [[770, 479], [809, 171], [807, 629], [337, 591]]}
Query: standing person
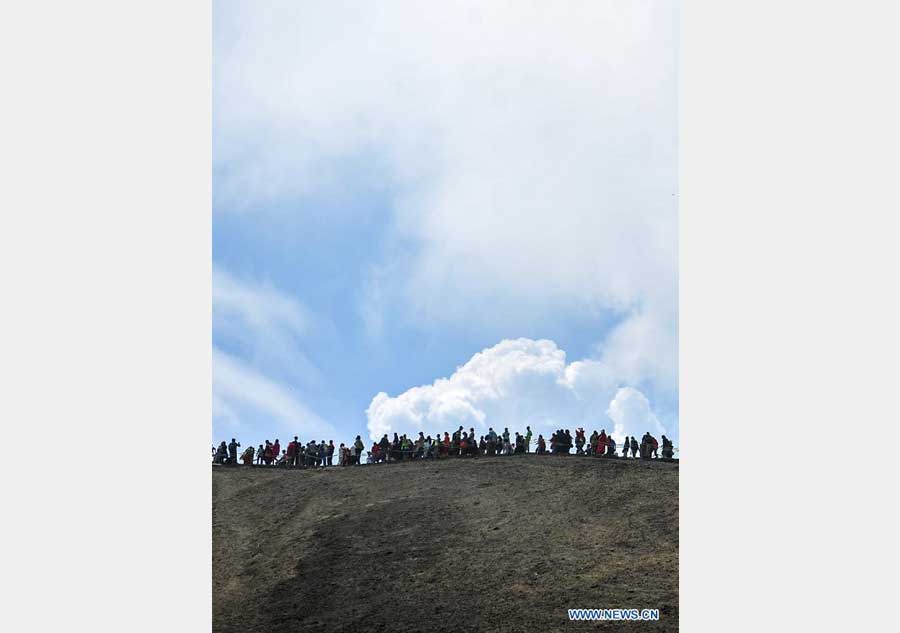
{"points": [[405, 448], [259, 455], [359, 446], [310, 454], [267, 454], [395, 453], [600, 451], [579, 441], [329, 452], [291, 451], [221, 456], [634, 447], [436, 446], [232, 452], [667, 447], [276, 449], [541, 445], [625, 447], [385, 446], [322, 453], [520, 443], [506, 447], [454, 442], [527, 439], [420, 446]]}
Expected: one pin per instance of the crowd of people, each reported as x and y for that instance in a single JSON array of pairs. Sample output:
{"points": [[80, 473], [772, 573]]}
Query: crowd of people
{"points": [[460, 443]]}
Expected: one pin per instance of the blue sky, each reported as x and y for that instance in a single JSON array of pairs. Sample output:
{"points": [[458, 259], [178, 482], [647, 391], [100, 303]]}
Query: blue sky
{"points": [[466, 215]]}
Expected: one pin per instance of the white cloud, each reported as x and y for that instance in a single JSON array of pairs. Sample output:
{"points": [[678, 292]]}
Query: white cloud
{"points": [[513, 384], [528, 150], [260, 307], [630, 411], [245, 399], [266, 324]]}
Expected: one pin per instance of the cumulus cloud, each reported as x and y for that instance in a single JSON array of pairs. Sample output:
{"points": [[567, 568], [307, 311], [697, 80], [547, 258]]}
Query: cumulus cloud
{"points": [[630, 409], [513, 384]]}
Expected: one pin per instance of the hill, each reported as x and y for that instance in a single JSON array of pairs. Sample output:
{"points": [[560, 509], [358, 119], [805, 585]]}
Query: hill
{"points": [[489, 544]]}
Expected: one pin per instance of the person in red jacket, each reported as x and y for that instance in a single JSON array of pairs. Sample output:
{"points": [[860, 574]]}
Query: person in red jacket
{"points": [[267, 454], [601, 444], [579, 441], [291, 451], [276, 449]]}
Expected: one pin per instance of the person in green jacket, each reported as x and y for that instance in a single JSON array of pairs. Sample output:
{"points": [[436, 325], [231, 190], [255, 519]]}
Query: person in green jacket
{"points": [[405, 447], [360, 447]]}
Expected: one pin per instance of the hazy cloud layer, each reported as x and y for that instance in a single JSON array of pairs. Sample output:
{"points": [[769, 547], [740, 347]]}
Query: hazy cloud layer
{"points": [[527, 155], [260, 383]]}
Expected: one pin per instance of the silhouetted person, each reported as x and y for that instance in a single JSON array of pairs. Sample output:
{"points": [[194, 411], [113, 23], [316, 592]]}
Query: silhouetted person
{"points": [[359, 449], [292, 451], [221, 456], [491, 442], [520, 443], [667, 448]]}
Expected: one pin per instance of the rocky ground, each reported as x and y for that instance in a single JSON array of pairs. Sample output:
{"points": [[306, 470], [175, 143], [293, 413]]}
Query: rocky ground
{"points": [[484, 544]]}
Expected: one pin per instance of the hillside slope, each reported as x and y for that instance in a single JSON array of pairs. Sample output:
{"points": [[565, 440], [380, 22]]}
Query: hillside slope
{"points": [[489, 544]]}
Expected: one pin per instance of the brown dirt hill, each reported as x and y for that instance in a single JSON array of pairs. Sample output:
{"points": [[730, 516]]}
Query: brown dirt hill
{"points": [[484, 544]]}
